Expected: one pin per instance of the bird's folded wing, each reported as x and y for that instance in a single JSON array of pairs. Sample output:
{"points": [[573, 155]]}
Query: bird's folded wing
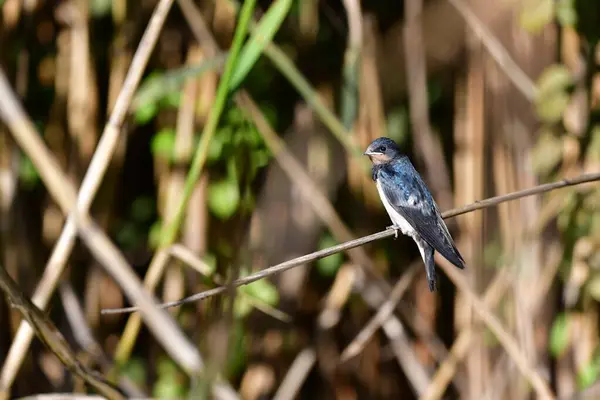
{"points": [[422, 216]]}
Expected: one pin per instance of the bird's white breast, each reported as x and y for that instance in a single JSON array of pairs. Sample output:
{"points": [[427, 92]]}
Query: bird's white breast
{"points": [[396, 218]]}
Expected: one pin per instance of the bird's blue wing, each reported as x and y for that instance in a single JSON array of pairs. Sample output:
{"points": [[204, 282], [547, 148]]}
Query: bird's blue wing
{"points": [[408, 195]]}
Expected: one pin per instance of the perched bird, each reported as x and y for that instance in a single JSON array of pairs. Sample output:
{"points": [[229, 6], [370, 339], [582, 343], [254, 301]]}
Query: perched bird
{"points": [[410, 205]]}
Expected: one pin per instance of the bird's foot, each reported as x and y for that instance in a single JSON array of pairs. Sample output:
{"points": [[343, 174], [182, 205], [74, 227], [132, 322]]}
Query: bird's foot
{"points": [[395, 228]]}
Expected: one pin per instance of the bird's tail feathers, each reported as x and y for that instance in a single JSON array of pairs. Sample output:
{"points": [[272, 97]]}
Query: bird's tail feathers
{"points": [[427, 252]]}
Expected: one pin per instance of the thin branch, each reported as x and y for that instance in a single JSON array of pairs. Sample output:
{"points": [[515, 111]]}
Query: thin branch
{"points": [[502, 57], [84, 337], [367, 239], [292, 382], [448, 368], [384, 312], [506, 340], [52, 338]]}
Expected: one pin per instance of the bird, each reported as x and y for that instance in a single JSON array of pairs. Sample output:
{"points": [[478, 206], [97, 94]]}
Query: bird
{"points": [[411, 206]]}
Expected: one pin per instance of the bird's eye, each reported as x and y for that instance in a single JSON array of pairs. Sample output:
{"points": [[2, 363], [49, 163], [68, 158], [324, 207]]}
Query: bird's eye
{"points": [[382, 149]]}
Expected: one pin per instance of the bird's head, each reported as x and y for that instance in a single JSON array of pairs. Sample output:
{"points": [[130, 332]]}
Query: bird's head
{"points": [[382, 150]]}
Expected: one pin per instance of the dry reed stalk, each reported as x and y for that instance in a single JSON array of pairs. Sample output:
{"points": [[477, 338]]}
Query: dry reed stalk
{"points": [[371, 119], [90, 185], [468, 170]]}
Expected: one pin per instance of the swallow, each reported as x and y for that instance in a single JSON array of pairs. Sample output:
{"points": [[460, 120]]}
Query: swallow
{"points": [[410, 205]]}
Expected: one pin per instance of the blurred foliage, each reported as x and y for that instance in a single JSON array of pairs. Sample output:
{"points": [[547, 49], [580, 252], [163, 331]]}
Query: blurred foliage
{"points": [[238, 156]]}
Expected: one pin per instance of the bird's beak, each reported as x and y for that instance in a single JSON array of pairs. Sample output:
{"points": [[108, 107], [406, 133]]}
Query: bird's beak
{"points": [[370, 153]]}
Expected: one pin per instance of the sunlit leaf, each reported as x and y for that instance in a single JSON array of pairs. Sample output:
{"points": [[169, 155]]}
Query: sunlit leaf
{"points": [[166, 367], [223, 198], [168, 388], [264, 32], [264, 291], [217, 143], [210, 261], [156, 86], [593, 287], [242, 306], [100, 8], [592, 153], [163, 144], [551, 108], [145, 113], [135, 369], [559, 335], [329, 266], [566, 13], [547, 153], [536, 14], [555, 78], [589, 374], [155, 234]]}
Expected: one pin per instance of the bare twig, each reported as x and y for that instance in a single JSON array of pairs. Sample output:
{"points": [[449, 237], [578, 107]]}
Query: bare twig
{"points": [[85, 338], [368, 239], [459, 349], [507, 341], [292, 382], [502, 57], [384, 312], [52, 338]]}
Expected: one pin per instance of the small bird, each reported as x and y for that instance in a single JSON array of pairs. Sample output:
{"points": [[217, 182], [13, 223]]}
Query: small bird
{"points": [[410, 205]]}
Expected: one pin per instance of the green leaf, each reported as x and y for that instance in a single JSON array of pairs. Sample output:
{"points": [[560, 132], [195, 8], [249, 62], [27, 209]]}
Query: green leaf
{"points": [[163, 143], [589, 374], [242, 306], [155, 234], [166, 367], [536, 14], [592, 154], [135, 369], [551, 97], [551, 108], [100, 8], [28, 172], [566, 13], [270, 113], [559, 335], [397, 125], [555, 78], [223, 198], [264, 291], [593, 287], [128, 235], [145, 113], [143, 208], [547, 153], [168, 388], [217, 144], [157, 86], [264, 32], [171, 99], [329, 266], [238, 355]]}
